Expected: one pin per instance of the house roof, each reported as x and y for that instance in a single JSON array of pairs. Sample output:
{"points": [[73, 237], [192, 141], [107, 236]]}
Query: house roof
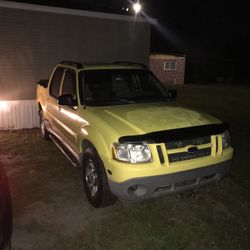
{"points": [[166, 56]]}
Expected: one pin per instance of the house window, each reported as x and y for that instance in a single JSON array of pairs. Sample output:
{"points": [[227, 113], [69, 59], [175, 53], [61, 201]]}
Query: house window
{"points": [[170, 65]]}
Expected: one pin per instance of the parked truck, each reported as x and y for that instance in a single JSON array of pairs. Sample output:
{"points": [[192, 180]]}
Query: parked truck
{"points": [[128, 134]]}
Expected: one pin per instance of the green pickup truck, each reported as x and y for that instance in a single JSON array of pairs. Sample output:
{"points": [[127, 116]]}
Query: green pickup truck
{"points": [[131, 138]]}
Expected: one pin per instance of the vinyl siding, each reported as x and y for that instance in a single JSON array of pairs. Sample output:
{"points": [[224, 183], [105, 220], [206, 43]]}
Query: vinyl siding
{"points": [[32, 42], [18, 115]]}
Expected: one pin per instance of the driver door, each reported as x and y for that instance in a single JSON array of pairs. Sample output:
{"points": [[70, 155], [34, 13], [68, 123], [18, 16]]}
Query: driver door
{"points": [[69, 119]]}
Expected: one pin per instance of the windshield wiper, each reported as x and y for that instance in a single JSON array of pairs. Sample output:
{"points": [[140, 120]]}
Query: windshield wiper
{"points": [[112, 100], [123, 99], [150, 98]]}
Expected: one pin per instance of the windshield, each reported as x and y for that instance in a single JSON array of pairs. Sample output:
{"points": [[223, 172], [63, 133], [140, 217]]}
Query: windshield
{"points": [[120, 86]]}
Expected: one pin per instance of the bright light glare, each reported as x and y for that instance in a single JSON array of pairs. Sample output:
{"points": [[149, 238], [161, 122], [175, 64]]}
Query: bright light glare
{"points": [[3, 105], [137, 7], [125, 9]]}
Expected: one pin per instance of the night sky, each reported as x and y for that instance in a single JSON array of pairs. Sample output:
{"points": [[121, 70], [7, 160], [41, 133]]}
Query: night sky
{"points": [[210, 33], [206, 27]]}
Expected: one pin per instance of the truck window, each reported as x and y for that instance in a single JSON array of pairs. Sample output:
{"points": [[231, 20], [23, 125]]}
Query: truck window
{"points": [[69, 84], [56, 82], [137, 85]]}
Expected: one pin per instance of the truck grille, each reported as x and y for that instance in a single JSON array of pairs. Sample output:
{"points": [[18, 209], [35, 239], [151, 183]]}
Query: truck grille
{"points": [[186, 142], [187, 156], [184, 155]]}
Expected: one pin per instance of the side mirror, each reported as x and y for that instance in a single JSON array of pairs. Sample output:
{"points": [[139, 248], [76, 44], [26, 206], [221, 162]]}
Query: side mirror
{"points": [[67, 100], [172, 94], [43, 82]]}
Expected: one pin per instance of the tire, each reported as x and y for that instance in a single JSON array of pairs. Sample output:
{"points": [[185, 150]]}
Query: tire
{"points": [[95, 180], [44, 131]]}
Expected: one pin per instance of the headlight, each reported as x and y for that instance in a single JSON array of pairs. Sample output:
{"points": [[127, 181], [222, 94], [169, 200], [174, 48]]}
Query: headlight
{"points": [[226, 141], [133, 153]]}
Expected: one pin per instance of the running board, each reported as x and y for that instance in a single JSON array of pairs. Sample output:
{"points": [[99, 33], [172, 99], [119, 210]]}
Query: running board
{"points": [[64, 151]]}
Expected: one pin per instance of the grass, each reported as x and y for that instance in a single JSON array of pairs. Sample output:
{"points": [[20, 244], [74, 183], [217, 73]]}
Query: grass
{"points": [[51, 211]]}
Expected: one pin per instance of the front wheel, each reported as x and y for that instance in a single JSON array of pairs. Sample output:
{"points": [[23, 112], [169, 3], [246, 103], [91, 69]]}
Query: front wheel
{"points": [[95, 180]]}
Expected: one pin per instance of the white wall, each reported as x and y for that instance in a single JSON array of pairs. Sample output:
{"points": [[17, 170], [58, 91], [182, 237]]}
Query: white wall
{"points": [[18, 114]]}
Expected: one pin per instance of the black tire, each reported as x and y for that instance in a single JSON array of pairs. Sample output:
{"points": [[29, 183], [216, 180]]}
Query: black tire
{"points": [[44, 131], [95, 180]]}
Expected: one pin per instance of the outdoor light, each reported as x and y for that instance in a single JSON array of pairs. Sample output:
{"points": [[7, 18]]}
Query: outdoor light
{"points": [[137, 7], [125, 9]]}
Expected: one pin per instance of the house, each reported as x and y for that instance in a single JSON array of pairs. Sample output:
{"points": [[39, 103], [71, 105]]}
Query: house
{"points": [[169, 69], [34, 38]]}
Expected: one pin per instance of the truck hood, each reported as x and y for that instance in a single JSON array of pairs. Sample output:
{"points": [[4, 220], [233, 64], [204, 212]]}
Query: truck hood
{"points": [[136, 119]]}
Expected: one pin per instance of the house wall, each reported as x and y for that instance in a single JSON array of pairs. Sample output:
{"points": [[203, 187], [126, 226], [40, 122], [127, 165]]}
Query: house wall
{"points": [[35, 38], [18, 114], [177, 76]]}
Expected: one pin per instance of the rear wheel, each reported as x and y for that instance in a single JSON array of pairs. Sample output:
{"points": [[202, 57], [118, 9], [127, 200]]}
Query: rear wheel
{"points": [[95, 180], [44, 131]]}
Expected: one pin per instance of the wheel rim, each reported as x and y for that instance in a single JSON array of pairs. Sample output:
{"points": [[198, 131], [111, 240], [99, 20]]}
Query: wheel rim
{"points": [[42, 126], [91, 177]]}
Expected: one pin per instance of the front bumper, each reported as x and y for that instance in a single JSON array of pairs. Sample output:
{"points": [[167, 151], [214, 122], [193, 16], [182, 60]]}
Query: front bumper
{"points": [[154, 186]]}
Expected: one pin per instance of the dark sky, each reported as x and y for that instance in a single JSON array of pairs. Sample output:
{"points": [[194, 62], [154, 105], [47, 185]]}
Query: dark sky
{"points": [[205, 27]]}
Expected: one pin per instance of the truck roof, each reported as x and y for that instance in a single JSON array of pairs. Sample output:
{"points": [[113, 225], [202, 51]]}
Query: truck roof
{"points": [[98, 66]]}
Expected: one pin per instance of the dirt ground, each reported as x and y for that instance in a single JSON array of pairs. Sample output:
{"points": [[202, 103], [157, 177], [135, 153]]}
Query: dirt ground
{"points": [[52, 212]]}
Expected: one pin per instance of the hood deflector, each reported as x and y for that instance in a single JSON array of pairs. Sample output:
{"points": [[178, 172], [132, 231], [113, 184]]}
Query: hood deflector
{"points": [[176, 134]]}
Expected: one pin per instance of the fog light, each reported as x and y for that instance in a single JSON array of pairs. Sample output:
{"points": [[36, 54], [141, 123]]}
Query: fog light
{"points": [[132, 188], [137, 190]]}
